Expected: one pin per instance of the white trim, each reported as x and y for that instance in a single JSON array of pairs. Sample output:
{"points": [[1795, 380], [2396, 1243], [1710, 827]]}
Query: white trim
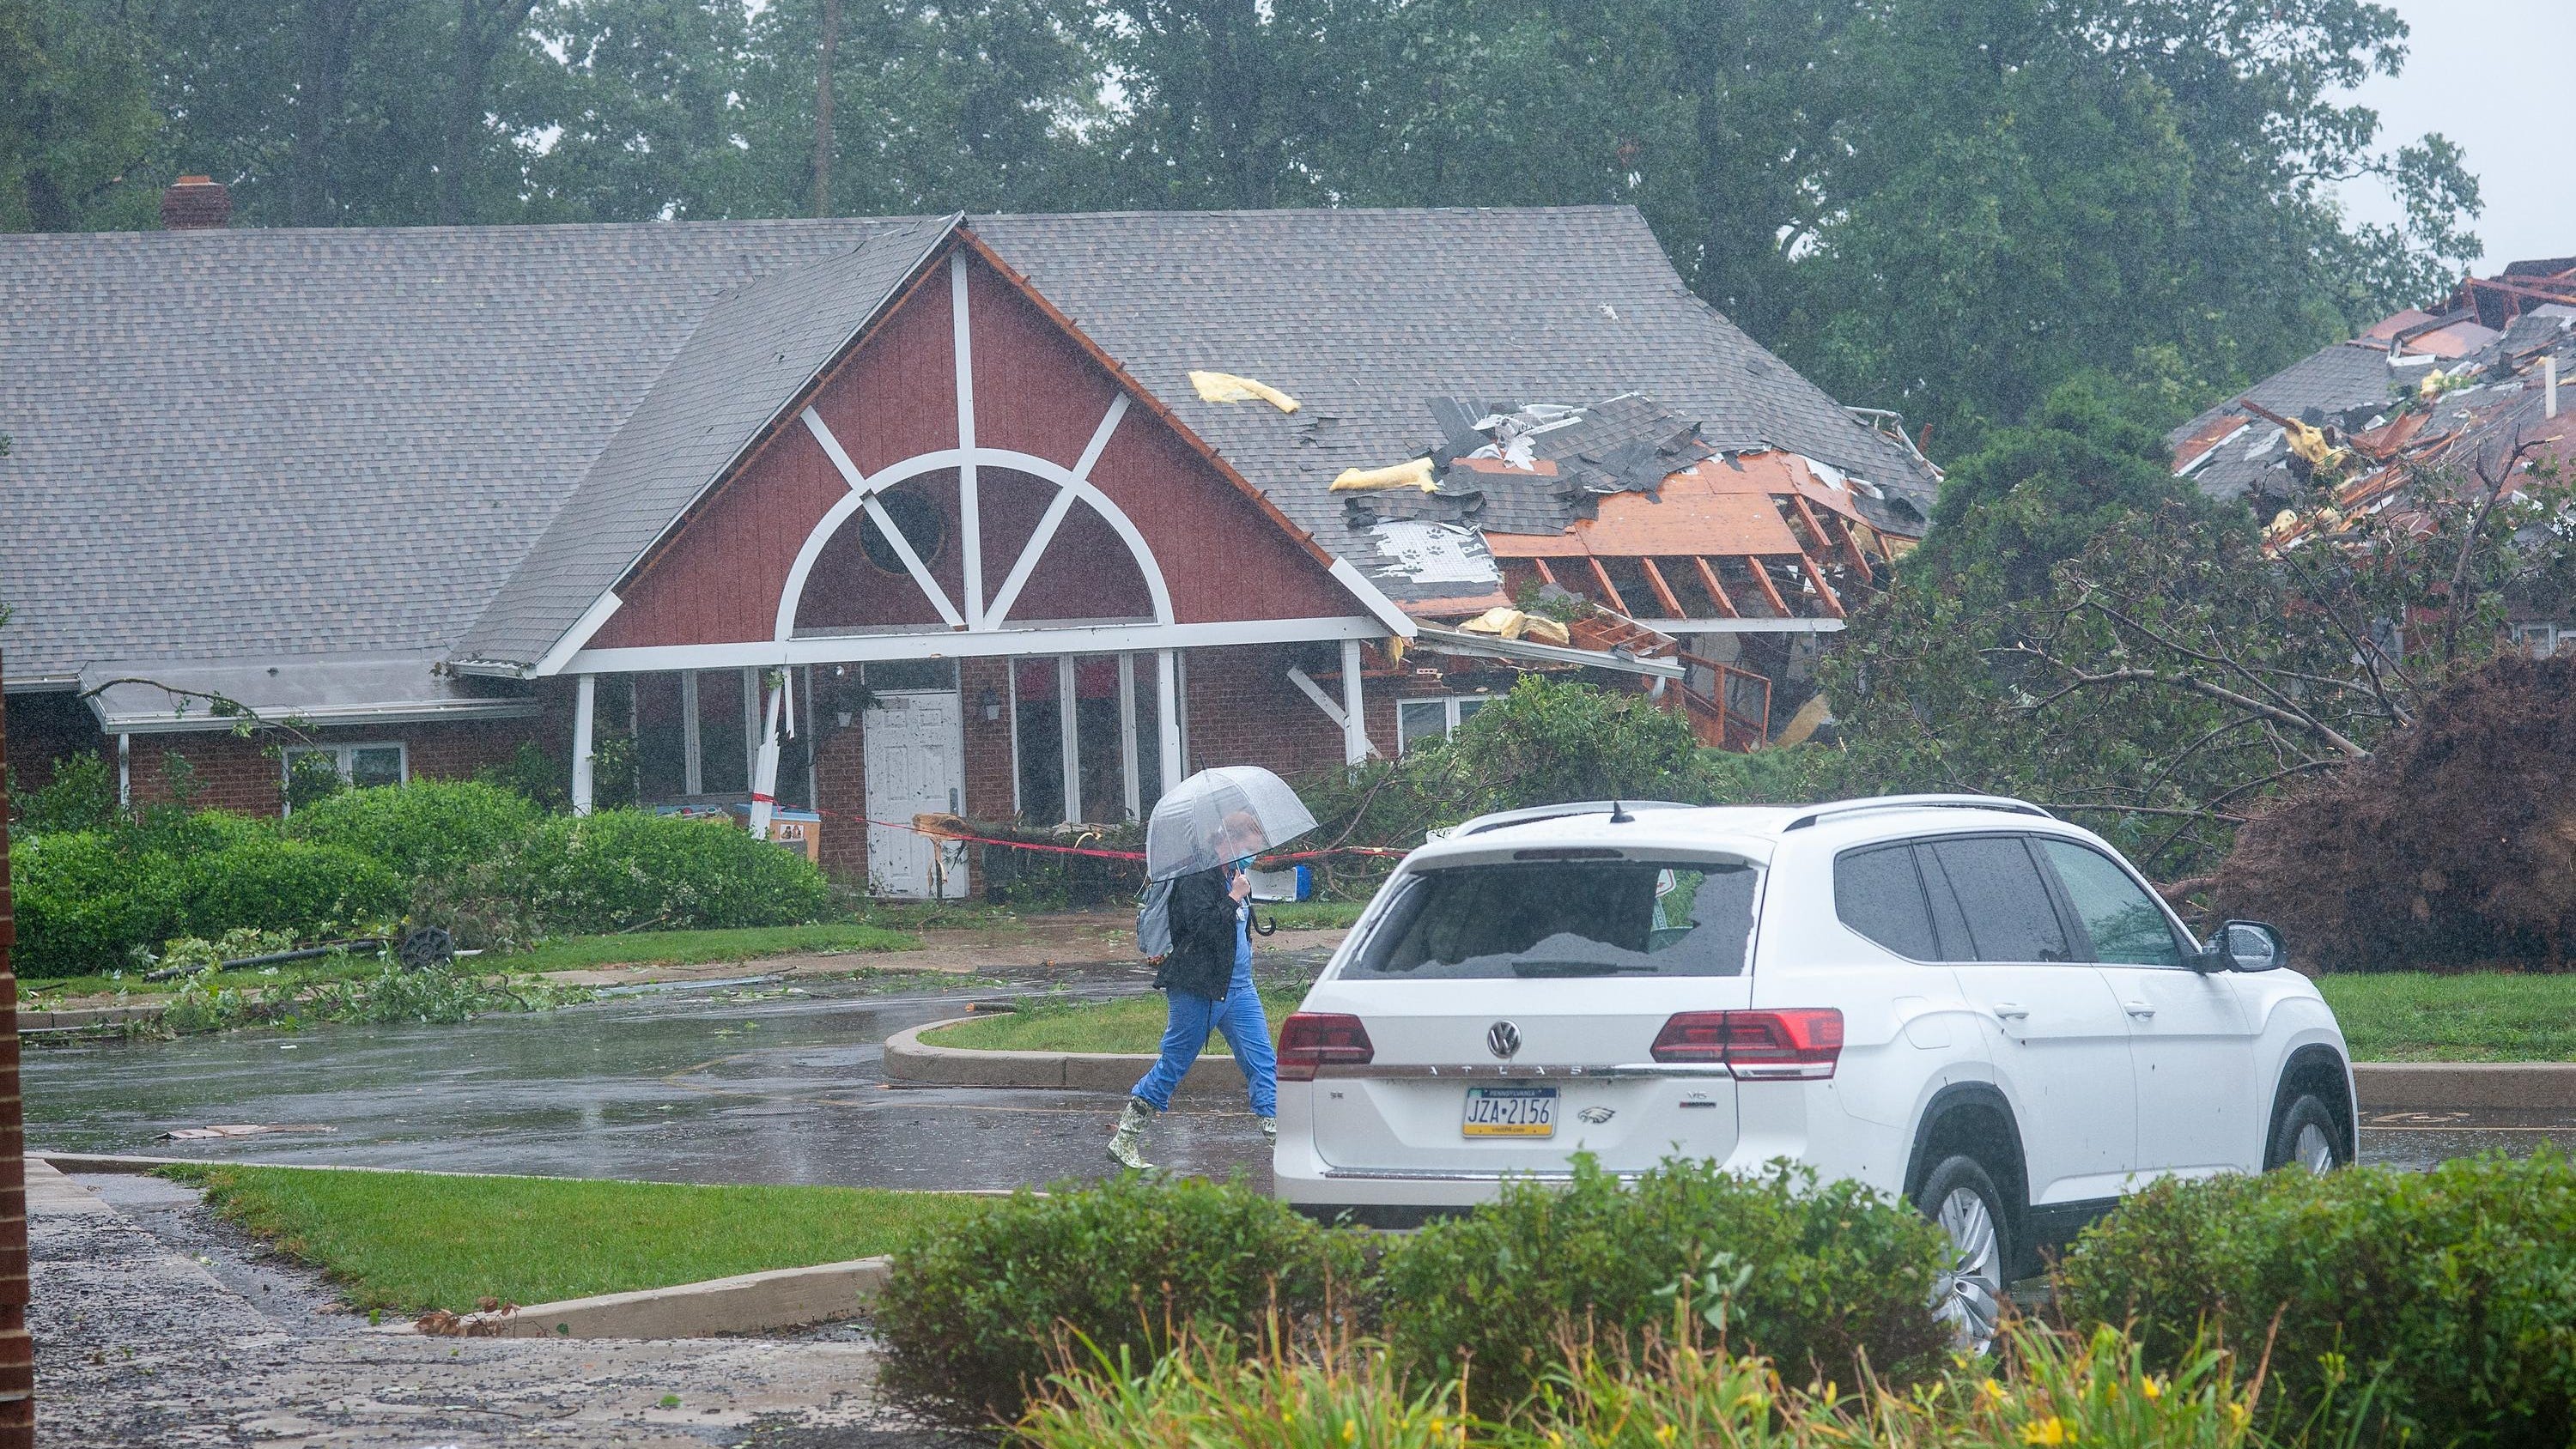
{"points": [[1373, 598], [163, 722], [1355, 740], [1307, 686], [1133, 789], [970, 518], [751, 691], [1068, 720], [986, 644], [792, 593], [1092, 450], [124, 771], [764, 765], [1167, 717], [1027, 563], [572, 643], [1011, 682], [584, 708], [1743, 626]]}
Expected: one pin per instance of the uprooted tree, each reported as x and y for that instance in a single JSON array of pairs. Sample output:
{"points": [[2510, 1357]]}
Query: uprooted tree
{"points": [[2176, 674], [2454, 844]]}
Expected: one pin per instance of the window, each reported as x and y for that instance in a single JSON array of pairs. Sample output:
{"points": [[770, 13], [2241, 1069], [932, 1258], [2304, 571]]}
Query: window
{"points": [[360, 765], [924, 526], [2544, 640], [1418, 720], [1566, 918], [1878, 894], [2127, 926], [2002, 901]]}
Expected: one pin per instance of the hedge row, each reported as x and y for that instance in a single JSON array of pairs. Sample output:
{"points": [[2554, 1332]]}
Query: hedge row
{"points": [[456, 853], [2370, 1305]]}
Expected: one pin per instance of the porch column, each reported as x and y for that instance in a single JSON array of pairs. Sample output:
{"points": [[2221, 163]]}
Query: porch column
{"points": [[585, 703], [1355, 740], [1135, 800], [124, 773], [693, 778], [1068, 727], [764, 767], [1167, 714]]}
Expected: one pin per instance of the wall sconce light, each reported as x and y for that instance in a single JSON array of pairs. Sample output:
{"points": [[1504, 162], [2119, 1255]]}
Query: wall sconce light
{"points": [[989, 704]]}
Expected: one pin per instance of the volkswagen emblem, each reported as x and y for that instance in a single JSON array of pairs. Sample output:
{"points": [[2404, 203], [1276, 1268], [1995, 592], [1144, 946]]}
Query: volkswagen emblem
{"points": [[1503, 1039]]}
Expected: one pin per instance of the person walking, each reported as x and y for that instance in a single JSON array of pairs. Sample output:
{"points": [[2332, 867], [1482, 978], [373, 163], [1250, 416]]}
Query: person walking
{"points": [[1207, 982]]}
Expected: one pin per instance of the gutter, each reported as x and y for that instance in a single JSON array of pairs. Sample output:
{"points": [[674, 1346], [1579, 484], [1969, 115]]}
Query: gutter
{"points": [[344, 716]]}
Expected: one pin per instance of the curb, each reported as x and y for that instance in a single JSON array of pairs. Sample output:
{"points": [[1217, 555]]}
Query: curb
{"points": [[2460, 1086], [87, 1016], [745, 1303], [908, 1059]]}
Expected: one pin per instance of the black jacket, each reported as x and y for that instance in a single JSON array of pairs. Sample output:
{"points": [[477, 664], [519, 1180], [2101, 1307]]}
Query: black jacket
{"points": [[1203, 935]]}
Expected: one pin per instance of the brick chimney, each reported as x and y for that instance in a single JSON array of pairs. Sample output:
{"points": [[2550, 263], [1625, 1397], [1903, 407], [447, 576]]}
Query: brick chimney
{"points": [[196, 203]]}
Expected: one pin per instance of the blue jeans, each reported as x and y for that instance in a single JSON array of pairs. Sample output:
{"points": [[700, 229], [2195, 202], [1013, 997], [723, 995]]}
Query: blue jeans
{"points": [[1247, 1032]]}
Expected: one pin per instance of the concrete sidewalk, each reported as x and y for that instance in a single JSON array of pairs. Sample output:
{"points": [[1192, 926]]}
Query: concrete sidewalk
{"points": [[140, 1343]]}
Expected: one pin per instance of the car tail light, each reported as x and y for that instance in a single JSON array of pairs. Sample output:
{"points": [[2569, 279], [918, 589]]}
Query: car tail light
{"points": [[1693, 1036], [1312, 1039], [1796, 1045]]}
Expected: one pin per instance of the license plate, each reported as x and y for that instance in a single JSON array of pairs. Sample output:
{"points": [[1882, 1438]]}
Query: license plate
{"points": [[1510, 1112]]}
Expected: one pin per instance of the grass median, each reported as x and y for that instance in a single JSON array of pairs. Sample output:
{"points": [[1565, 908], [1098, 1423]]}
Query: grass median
{"points": [[409, 1242], [1128, 1024], [2474, 1017], [696, 948]]}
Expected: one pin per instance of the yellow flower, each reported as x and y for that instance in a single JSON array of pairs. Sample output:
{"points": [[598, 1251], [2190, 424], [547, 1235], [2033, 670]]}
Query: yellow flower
{"points": [[2051, 1431], [2239, 1415], [1995, 1393], [1350, 1430], [2152, 1387]]}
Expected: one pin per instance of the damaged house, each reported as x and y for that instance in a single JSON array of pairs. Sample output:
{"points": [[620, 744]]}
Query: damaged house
{"points": [[2455, 398], [832, 524]]}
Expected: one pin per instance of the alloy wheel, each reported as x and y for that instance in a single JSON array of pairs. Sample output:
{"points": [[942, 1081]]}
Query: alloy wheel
{"points": [[2313, 1149], [1970, 1293]]}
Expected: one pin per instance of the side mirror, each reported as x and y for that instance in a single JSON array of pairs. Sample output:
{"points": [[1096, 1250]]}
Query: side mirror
{"points": [[2244, 946]]}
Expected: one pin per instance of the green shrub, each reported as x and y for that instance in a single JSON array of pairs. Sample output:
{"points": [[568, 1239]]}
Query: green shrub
{"points": [[1816, 1279], [428, 827], [624, 870], [85, 899], [81, 796], [273, 884], [975, 1317], [2449, 1294]]}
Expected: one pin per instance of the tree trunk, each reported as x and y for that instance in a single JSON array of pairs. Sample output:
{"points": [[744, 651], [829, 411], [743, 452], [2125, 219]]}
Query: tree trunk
{"points": [[823, 109], [322, 71], [482, 28]]}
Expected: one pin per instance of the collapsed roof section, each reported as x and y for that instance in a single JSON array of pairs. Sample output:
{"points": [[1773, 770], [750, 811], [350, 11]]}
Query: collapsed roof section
{"points": [[2420, 398]]}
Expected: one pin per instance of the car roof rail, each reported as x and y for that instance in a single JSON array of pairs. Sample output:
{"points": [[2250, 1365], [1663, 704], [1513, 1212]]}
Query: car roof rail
{"points": [[1478, 825], [1916, 802]]}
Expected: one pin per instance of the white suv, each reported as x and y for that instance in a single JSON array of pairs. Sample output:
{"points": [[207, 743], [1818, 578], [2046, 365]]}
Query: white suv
{"points": [[1958, 999]]}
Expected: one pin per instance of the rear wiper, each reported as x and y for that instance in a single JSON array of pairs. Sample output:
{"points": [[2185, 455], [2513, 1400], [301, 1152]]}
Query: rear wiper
{"points": [[1580, 968]]}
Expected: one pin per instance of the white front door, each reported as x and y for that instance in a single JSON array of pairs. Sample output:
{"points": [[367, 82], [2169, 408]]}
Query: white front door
{"points": [[915, 755]]}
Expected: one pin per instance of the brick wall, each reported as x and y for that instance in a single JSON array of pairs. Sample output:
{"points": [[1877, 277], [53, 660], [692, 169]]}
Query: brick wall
{"points": [[240, 775], [1244, 710]]}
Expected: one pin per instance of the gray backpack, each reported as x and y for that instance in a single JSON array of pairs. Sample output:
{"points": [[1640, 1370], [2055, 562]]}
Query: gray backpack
{"points": [[1154, 921]]}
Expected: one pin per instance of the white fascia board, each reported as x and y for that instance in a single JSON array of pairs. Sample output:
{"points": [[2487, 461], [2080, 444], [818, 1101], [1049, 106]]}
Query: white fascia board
{"points": [[43, 684], [578, 637], [1455, 641], [973, 644], [1397, 622], [347, 717], [489, 668], [1743, 626]]}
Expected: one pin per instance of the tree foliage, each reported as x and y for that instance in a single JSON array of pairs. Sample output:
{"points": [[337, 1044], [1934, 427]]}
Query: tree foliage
{"points": [[1947, 206]]}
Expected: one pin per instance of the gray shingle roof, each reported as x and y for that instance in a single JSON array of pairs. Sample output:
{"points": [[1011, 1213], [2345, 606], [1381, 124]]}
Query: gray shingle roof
{"points": [[284, 442], [1366, 316]]}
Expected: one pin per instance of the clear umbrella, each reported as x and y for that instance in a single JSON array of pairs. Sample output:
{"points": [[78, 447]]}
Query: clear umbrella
{"points": [[1221, 815]]}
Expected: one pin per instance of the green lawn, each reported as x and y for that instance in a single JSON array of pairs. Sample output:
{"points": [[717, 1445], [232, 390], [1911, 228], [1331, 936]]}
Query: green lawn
{"points": [[2485, 1017], [689, 948], [408, 1242], [1129, 1024], [1313, 915], [39, 993]]}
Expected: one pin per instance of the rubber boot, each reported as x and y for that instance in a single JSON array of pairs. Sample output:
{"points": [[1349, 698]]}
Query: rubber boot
{"points": [[1270, 1129], [1126, 1145]]}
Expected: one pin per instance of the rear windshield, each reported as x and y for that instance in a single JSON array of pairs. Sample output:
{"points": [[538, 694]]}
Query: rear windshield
{"points": [[1565, 918]]}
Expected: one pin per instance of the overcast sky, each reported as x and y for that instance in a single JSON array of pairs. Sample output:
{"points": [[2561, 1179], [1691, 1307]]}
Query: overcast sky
{"points": [[2493, 75]]}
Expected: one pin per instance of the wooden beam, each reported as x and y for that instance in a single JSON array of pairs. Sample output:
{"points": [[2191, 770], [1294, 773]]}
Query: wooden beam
{"points": [[1807, 516], [1852, 550], [1716, 590], [1663, 591], [1546, 575], [1824, 591], [1770, 590], [1608, 588]]}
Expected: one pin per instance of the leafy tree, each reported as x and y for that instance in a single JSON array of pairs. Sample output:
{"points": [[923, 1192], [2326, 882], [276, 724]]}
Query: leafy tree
{"points": [[75, 120]]}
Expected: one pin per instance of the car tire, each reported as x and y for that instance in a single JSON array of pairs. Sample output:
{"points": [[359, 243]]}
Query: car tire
{"points": [[1960, 1198], [2307, 1137]]}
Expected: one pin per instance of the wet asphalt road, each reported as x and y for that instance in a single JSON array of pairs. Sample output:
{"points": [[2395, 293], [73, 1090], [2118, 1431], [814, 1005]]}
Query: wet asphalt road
{"points": [[702, 1086], [691, 1086]]}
